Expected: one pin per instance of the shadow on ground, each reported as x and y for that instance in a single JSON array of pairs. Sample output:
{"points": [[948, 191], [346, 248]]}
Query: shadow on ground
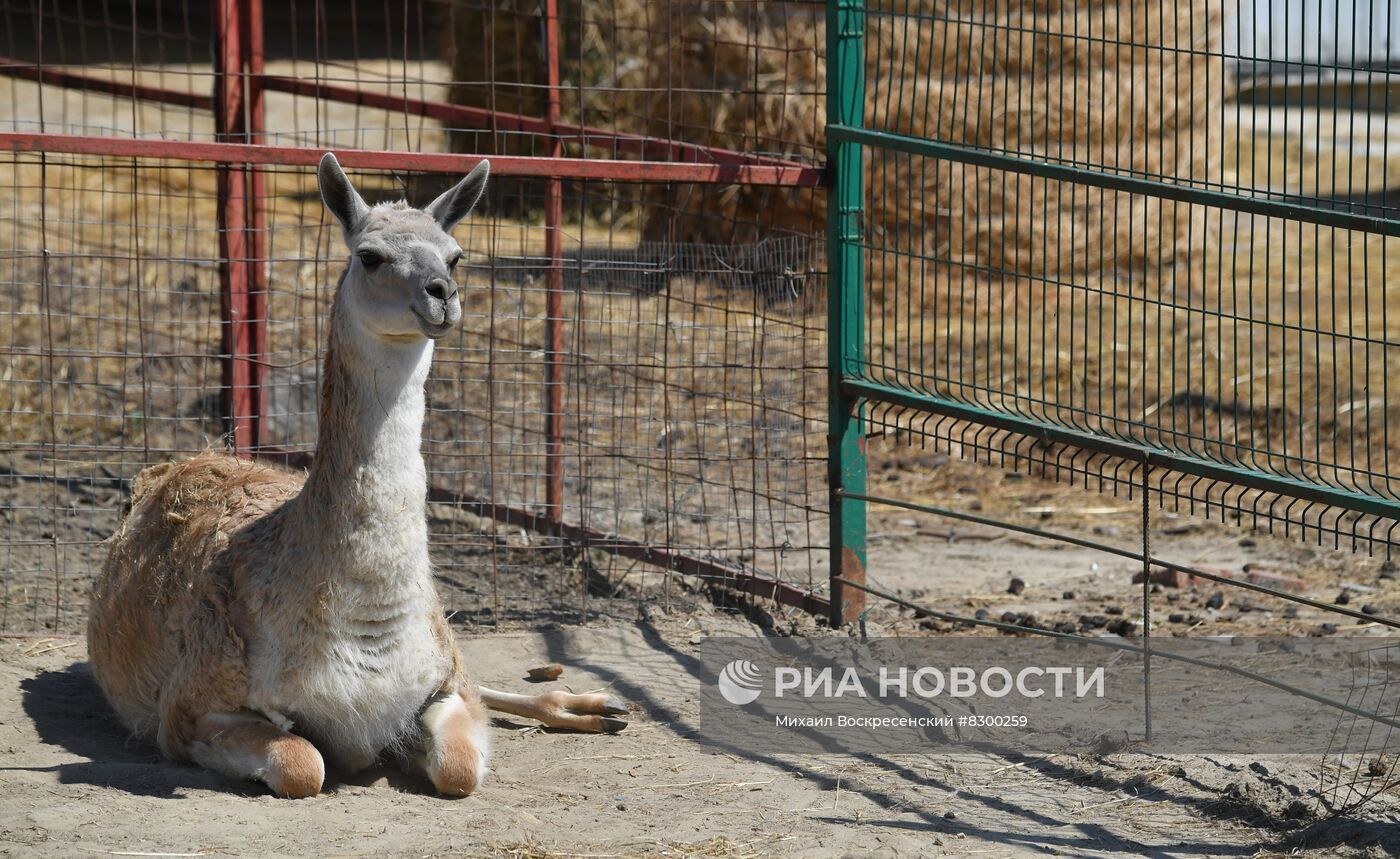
{"points": [[68, 711], [1064, 834]]}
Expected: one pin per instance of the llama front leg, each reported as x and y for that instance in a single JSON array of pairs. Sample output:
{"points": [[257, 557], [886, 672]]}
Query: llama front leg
{"points": [[455, 742], [596, 712], [246, 745]]}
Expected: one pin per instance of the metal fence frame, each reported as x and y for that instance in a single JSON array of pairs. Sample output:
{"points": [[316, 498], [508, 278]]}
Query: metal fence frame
{"points": [[857, 401], [852, 393], [236, 102]]}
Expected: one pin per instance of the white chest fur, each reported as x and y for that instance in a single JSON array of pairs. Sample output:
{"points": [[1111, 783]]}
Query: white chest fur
{"points": [[355, 690]]}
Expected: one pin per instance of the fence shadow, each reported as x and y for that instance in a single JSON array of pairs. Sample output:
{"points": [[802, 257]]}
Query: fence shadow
{"points": [[1084, 834]]}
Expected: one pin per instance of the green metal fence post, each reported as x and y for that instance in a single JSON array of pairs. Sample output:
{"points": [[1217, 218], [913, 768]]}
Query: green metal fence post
{"points": [[845, 106]]}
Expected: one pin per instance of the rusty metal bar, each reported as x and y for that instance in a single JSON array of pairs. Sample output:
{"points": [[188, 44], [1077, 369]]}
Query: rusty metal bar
{"points": [[669, 559], [256, 212], [238, 335], [98, 84], [365, 159], [554, 297], [649, 148]]}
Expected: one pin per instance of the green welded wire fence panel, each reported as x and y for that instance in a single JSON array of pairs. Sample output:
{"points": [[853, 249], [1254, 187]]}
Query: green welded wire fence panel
{"points": [[1098, 233], [846, 445]]}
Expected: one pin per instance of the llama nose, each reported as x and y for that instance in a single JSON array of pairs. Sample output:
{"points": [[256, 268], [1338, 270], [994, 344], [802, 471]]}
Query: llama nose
{"points": [[441, 289]]}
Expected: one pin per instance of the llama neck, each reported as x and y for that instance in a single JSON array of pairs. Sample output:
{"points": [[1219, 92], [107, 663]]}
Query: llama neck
{"points": [[364, 501]]}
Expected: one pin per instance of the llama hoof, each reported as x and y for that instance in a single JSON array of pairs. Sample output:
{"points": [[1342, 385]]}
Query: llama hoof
{"points": [[295, 789], [590, 712], [611, 724]]}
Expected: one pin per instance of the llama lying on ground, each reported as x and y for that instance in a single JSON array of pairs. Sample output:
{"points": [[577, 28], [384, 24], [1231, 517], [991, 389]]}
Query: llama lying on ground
{"points": [[260, 624]]}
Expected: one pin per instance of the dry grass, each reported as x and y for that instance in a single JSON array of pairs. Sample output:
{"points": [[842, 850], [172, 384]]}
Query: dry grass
{"points": [[128, 324]]}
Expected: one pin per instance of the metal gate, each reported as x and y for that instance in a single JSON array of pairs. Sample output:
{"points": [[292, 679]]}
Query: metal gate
{"points": [[1234, 395], [1065, 239]]}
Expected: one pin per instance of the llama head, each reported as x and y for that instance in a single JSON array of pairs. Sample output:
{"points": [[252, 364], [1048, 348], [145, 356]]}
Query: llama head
{"points": [[401, 282]]}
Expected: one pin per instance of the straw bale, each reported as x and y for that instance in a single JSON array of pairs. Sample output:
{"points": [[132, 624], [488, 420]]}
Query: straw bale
{"points": [[1125, 86], [497, 64]]}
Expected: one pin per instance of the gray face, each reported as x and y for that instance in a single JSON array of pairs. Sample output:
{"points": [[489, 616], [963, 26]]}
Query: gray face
{"points": [[402, 274], [401, 282]]}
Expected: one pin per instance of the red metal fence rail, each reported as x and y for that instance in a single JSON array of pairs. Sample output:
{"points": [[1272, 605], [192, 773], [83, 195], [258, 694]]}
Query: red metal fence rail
{"points": [[554, 305], [777, 175]]}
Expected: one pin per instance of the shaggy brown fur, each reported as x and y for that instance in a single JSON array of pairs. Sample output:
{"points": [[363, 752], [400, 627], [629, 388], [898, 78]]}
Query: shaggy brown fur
{"points": [[176, 554]]}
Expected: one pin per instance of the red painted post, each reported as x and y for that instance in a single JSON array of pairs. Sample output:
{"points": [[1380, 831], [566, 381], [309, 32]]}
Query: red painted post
{"points": [[230, 125], [242, 239], [256, 213], [554, 302]]}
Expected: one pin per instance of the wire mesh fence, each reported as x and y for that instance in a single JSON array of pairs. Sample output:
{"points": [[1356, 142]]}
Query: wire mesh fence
{"points": [[692, 388], [585, 438], [1076, 222], [1122, 245]]}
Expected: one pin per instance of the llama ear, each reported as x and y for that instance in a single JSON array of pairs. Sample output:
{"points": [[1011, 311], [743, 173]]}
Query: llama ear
{"points": [[339, 196], [458, 201]]}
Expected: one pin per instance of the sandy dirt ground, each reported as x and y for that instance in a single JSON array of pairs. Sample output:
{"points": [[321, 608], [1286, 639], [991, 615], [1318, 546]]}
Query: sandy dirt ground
{"points": [[965, 567], [74, 785]]}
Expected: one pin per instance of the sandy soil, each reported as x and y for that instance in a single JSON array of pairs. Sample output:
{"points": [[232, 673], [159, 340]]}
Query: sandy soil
{"points": [[962, 567], [74, 785]]}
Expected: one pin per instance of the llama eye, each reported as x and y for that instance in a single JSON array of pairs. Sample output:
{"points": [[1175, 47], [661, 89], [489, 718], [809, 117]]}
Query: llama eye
{"points": [[452, 263], [370, 259]]}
